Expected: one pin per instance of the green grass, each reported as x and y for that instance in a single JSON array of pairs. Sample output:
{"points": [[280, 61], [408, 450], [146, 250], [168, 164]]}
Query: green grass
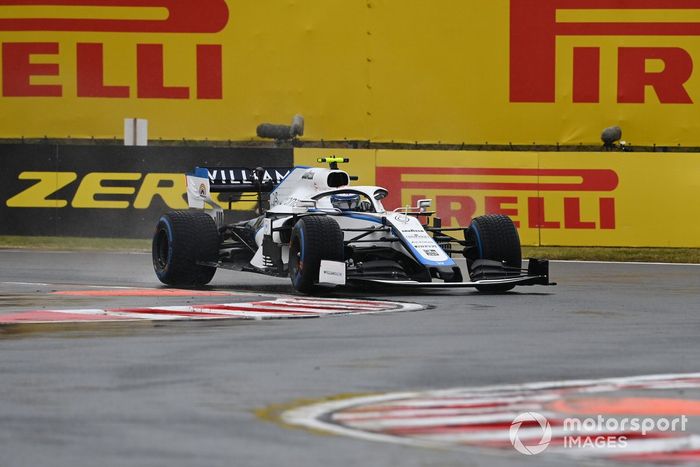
{"points": [[654, 255], [75, 243], [661, 255]]}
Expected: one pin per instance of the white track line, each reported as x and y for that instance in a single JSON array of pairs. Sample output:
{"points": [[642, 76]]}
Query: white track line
{"points": [[350, 418], [427, 422], [346, 416], [258, 310]]}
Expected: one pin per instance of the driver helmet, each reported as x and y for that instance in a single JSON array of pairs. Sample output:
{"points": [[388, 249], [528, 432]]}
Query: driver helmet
{"points": [[345, 201]]}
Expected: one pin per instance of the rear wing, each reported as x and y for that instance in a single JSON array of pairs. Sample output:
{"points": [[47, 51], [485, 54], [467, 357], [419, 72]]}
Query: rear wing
{"points": [[235, 180], [242, 179]]}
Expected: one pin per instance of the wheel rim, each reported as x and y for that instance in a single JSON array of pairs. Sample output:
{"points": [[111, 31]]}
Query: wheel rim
{"points": [[162, 250], [472, 249], [295, 263]]}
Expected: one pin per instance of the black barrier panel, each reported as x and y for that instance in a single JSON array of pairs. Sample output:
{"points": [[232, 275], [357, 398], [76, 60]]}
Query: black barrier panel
{"points": [[107, 191]]}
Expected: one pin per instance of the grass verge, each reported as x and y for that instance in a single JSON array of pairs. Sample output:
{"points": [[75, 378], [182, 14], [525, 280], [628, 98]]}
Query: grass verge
{"points": [[652, 255], [660, 255], [75, 243]]}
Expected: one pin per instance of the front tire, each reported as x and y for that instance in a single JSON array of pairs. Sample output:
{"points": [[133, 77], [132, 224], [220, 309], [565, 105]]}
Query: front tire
{"points": [[183, 239], [494, 237], [314, 238]]}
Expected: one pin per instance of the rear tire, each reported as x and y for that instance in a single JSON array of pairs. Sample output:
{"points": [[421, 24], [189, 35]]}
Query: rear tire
{"points": [[494, 237], [314, 238], [181, 240]]}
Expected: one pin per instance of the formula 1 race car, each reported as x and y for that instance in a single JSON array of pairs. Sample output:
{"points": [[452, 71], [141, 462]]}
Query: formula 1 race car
{"points": [[316, 228]]}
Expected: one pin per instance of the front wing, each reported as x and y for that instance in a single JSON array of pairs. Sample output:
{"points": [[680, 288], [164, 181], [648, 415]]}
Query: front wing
{"points": [[537, 274]]}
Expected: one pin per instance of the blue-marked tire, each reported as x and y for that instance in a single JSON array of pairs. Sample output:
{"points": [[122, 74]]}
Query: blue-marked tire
{"points": [[314, 238], [493, 237], [181, 241]]}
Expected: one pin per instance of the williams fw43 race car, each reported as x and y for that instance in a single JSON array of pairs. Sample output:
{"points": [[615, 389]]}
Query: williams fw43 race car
{"points": [[316, 228]]}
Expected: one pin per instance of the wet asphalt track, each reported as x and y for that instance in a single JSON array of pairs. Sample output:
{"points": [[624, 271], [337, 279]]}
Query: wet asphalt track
{"points": [[185, 394]]}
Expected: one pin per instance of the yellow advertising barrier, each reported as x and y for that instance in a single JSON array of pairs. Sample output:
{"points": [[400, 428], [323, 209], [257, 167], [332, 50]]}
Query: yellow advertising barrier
{"points": [[653, 203], [503, 71], [567, 199]]}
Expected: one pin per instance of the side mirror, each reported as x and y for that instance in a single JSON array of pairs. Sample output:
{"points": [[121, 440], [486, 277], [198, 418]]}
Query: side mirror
{"points": [[424, 204], [305, 203]]}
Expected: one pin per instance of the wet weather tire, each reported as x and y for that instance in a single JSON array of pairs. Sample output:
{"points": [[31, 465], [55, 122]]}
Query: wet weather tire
{"points": [[314, 238], [183, 239], [494, 237]]}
